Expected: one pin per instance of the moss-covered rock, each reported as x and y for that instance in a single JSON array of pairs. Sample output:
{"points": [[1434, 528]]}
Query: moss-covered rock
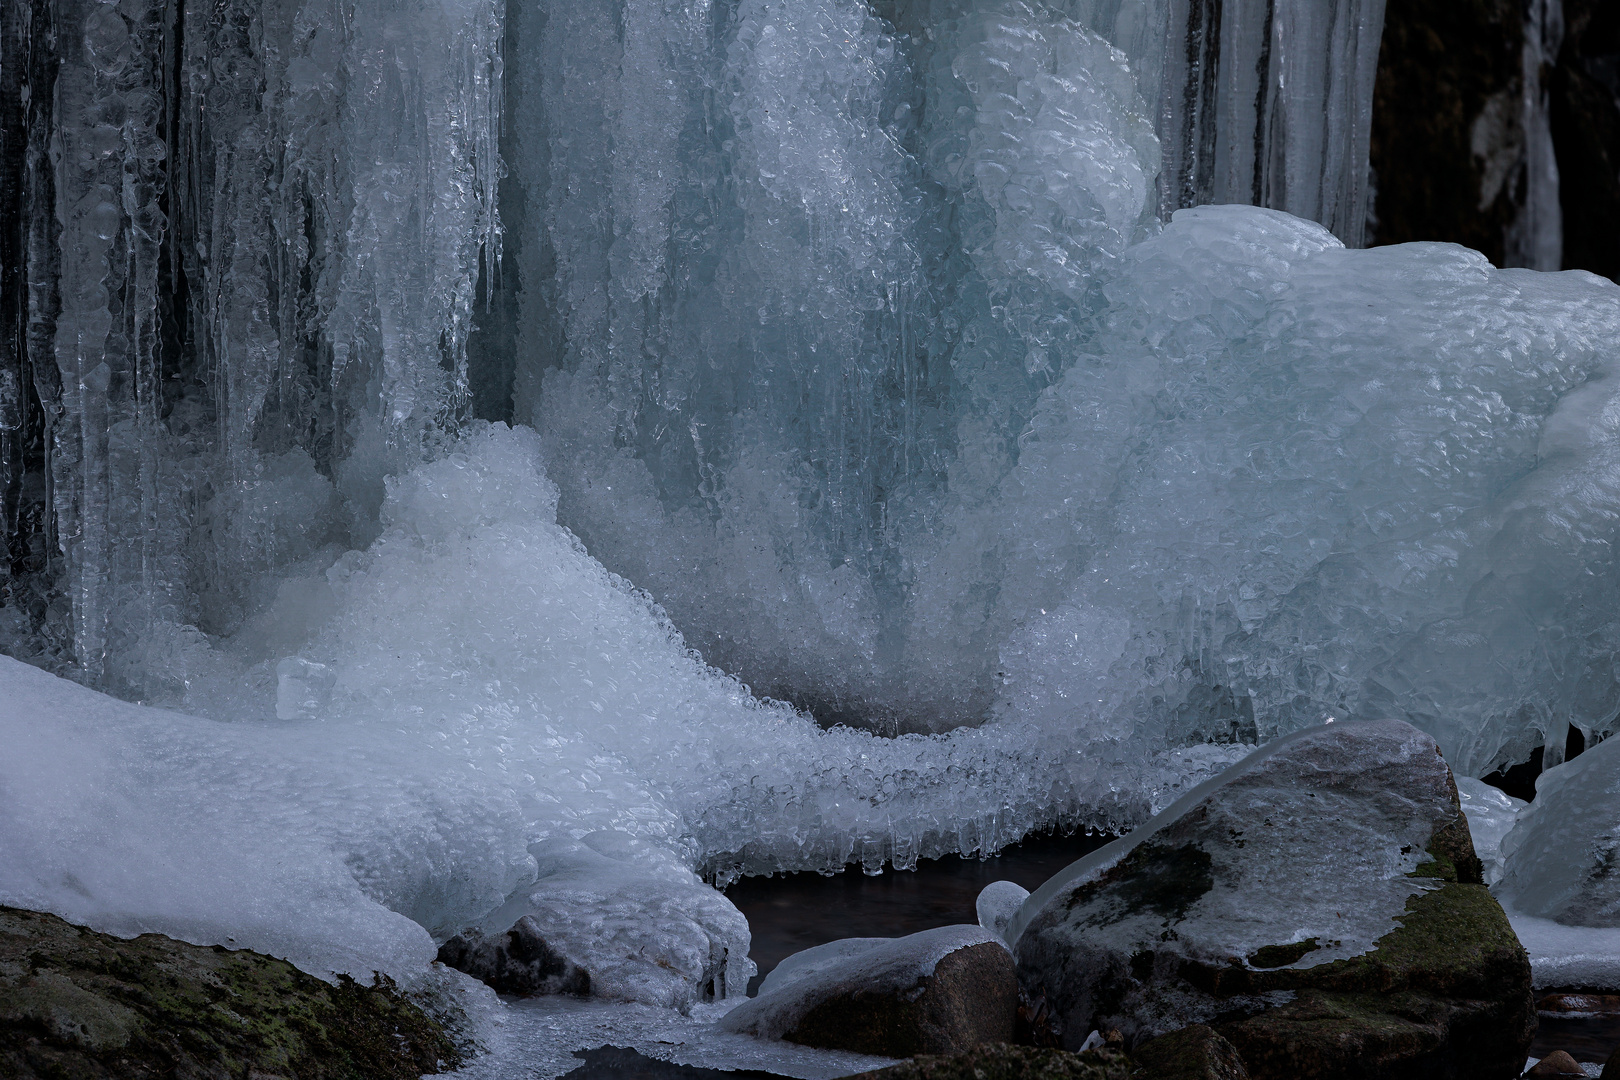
{"points": [[76, 1004], [1198, 917], [1198, 1052], [1001, 1061]]}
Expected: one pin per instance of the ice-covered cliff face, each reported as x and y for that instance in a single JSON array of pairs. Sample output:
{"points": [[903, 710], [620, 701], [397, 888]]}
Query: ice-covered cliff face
{"points": [[859, 334], [242, 241]]}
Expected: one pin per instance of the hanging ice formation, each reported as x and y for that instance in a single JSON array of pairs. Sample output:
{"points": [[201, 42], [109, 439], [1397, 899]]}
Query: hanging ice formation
{"points": [[857, 333]]}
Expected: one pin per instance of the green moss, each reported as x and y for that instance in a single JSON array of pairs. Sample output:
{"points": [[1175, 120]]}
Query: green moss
{"points": [[1001, 1061], [80, 1003], [1276, 956]]}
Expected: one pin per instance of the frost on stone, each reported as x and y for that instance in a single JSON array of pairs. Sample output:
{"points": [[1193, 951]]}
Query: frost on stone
{"points": [[640, 924], [1562, 857], [1310, 842], [815, 961], [859, 965]]}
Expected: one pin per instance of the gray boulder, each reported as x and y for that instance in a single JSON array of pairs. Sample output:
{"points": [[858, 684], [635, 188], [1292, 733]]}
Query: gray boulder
{"points": [[1319, 905], [520, 961], [942, 991]]}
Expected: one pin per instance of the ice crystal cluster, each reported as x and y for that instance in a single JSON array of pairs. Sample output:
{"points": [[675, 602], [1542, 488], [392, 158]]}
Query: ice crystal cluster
{"points": [[879, 358]]}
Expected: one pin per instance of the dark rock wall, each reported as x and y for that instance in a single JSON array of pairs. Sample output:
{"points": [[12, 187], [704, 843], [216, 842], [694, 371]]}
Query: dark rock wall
{"points": [[1496, 125], [1585, 93]]}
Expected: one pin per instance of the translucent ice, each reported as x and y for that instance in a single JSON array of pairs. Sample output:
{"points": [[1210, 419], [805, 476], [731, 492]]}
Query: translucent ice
{"points": [[1491, 815], [930, 427], [1561, 856], [998, 902]]}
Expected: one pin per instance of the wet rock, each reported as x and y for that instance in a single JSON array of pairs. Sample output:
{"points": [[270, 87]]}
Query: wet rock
{"points": [[76, 1003], [1557, 1063], [1000, 1061], [1577, 1004], [1193, 1053], [942, 991], [1319, 905], [519, 961], [1611, 1068]]}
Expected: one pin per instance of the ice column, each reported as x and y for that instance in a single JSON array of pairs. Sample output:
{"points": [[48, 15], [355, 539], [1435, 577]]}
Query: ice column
{"points": [[269, 218], [1269, 103]]}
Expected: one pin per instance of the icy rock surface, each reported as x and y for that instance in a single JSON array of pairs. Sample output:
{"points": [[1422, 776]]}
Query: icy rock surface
{"points": [[892, 966], [998, 902], [1309, 841], [1492, 813], [637, 920], [815, 961], [1561, 857]]}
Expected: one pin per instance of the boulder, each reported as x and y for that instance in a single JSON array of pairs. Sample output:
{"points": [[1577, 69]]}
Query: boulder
{"points": [[519, 961], [614, 916], [942, 991], [1197, 1052], [1000, 1061], [1319, 905], [1556, 1064], [77, 1003]]}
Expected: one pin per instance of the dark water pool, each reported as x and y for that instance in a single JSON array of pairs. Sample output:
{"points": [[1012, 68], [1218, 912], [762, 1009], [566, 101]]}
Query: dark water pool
{"points": [[796, 911], [1591, 1038]]}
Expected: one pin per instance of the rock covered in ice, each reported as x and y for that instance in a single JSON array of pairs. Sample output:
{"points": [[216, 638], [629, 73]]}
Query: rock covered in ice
{"points": [[998, 902], [1492, 813], [940, 991], [1562, 858], [519, 961], [1343, 814], [1318, 904], [616, 916], [816, 960]]}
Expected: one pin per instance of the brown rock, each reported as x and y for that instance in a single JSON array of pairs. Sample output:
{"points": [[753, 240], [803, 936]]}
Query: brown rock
{"points": [[1611, 1068], [1579, 1003], [1556, 1063], [895, 999], [1193, 1053]]}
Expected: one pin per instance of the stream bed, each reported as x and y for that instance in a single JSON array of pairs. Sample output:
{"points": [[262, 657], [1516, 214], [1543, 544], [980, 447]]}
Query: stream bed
{"points": [[791, 912]]}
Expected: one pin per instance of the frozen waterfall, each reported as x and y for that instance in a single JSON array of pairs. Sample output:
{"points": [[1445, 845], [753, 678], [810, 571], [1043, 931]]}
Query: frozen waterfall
{"points": [[1003, 376]]}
